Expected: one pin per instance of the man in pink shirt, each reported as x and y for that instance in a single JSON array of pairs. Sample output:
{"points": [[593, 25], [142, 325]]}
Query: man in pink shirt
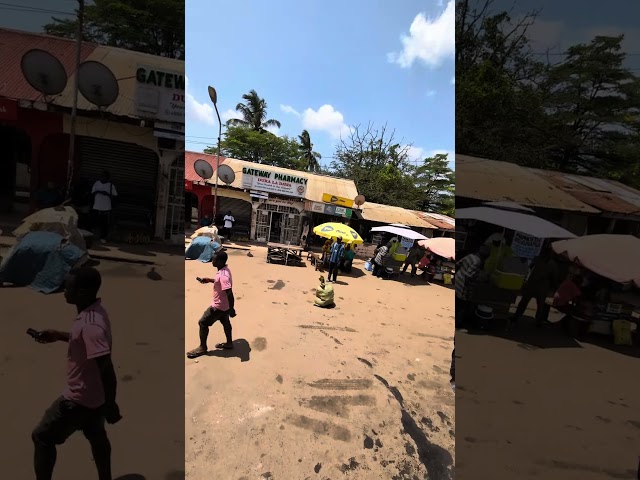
{"points": [[221, 308], [90, 394]]}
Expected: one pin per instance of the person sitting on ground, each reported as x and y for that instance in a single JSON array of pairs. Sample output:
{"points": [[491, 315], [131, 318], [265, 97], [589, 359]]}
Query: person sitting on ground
{"points": [[568, 292], [347, 259], [206, 221]]}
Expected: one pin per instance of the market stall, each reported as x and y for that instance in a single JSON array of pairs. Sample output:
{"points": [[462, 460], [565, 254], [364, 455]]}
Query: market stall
{"points": [[609, 303], [517, 240], [444, 248], [406, 238]]}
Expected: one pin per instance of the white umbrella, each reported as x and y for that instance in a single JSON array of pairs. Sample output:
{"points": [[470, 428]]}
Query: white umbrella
{"points": [[401, 232], [520, 222]]}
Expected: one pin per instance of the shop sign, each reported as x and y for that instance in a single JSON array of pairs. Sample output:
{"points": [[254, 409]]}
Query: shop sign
{"points": [[526, 246], [274, 182], [285, 202], [336, 200], [160, 94], [8, 109], [331, 210], [407, 243]]}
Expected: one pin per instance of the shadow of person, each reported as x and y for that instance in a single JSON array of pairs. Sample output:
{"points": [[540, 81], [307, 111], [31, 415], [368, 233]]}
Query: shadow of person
{"points": [[241, 350]]}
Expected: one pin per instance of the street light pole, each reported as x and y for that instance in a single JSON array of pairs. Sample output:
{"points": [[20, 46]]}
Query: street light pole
{"points": [[213, 95], [74, 109]]}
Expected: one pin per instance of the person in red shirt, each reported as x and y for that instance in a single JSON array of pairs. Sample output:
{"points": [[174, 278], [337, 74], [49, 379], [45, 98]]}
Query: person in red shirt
{"points": [[567, 292], [90, 394], [222, 306]]}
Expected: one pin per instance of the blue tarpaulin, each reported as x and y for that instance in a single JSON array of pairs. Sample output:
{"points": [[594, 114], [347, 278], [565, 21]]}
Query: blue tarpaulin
{"points": [[41, 260], [202, 248]]}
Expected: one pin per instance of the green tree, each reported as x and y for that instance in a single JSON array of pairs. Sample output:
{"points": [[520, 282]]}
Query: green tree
{"points": [[378, 165], [435, 184], [310, 157], [260, 147], [150, 26], [254, 114]]}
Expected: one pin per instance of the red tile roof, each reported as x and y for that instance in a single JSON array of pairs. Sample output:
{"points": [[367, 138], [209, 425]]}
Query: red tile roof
{"points": [[190, 160], [14, 44]]}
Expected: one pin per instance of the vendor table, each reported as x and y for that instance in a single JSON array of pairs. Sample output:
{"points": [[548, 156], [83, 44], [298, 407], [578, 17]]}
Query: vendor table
{"points": [[287, 254]]}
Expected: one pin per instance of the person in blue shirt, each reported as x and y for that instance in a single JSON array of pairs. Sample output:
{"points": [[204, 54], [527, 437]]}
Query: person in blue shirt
{"points": [[335, 257]]}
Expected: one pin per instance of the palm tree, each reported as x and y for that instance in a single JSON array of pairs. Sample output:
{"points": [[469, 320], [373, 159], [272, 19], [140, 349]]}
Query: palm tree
{"points": [[307, 153], [254, 114]]}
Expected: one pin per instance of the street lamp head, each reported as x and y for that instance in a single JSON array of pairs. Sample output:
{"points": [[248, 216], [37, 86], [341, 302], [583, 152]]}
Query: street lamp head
{"points": [[213, 95]]}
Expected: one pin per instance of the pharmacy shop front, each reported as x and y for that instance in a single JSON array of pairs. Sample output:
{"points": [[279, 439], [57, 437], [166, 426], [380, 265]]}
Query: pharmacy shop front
{"points": [[277, 204]]}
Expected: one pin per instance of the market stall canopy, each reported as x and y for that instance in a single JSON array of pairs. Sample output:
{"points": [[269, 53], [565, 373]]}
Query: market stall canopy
{"points": [[609, 256], [333, 230], [520, 222], [442, 246], [400, 231]]}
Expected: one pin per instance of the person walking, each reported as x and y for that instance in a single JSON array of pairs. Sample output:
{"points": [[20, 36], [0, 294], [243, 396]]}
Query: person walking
{"points": [[89, 398], [104, 194], [335, 257], [222, 307], [413, 257], [541, 282], [228, 224]]}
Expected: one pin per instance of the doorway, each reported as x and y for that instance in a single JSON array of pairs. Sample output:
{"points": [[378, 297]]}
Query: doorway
{"points": [[15, 169], [275, 233]]}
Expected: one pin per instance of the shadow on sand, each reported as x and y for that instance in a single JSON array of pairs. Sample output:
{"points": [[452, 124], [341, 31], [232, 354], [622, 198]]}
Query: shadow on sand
{"points": [[241, 350]]}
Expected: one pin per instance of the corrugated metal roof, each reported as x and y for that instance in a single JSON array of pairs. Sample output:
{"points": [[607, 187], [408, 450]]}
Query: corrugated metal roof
{"points": [[14, 44], [123, 64], [490, 180], [605, 195], [442, 222], [316, 187], [375, 212]]}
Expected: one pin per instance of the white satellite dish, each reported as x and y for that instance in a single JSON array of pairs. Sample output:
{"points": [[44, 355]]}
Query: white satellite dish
{"points": [[97, 83], [44, 72], [359, 200], [226, 174], [203, 169]]}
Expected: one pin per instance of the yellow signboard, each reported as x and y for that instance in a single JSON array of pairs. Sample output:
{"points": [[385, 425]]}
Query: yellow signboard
{"points": [[338, 201]]}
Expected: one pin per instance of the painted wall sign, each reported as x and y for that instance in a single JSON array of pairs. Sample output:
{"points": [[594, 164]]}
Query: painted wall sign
{"points": [[284, 202], [336, 200], [160, 94], [274, 182]]}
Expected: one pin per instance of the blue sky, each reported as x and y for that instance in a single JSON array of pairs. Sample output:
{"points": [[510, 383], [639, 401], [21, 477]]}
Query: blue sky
{"points": [[325, 66]]}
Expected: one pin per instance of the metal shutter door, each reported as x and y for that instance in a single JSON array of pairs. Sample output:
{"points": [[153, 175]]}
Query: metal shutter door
{"points": [[241, 210], [134, 172]]}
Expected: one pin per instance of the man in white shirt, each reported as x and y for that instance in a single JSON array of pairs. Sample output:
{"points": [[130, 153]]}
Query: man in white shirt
{"points": [[228, 224], [103, 192]]}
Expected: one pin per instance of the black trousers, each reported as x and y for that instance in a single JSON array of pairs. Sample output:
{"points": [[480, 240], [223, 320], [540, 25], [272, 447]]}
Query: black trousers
{"points": [[62, 419], [101, 221], [376, 268], [414, 268], [462, 312], [333, 271], [211, 316], [542, 309]]}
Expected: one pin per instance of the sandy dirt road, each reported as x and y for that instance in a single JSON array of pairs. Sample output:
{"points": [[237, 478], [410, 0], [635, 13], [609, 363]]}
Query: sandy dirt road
{"points": [[546, 406], [360, 391], [147, 318]]}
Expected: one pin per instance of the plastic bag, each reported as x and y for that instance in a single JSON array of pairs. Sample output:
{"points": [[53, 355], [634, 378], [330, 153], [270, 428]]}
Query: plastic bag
{"points": [[324, 294], [622, 332]]}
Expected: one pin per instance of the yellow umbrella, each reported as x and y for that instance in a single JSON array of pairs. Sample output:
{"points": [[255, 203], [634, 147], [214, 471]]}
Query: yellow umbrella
{"points": [[334, 230]]}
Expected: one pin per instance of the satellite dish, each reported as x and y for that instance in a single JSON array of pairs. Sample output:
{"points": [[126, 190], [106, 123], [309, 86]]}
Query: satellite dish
{"points": [[203, 169], [44, 72], [226, 174], [359, 200], [97, 83]]}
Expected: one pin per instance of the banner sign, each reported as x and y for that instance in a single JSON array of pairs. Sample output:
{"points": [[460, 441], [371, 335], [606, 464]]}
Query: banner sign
{"points": [[337, 201], [526, 246], [160, 94], [331, 210], [273, 182]]}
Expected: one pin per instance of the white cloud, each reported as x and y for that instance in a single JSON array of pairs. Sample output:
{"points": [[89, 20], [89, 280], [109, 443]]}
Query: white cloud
{"points": [[275, 130], [430, 93], [229, 114], [430, 40], [416, 154], [452, 81], [200, 112], [326, 119], [289, 109]]}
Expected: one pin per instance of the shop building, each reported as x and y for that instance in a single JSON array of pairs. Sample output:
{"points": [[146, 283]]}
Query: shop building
{"points": [[139, 139], [272, 203]]}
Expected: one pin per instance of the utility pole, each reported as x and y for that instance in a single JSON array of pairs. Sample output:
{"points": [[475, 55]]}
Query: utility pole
{"points": [[74, 109]]}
